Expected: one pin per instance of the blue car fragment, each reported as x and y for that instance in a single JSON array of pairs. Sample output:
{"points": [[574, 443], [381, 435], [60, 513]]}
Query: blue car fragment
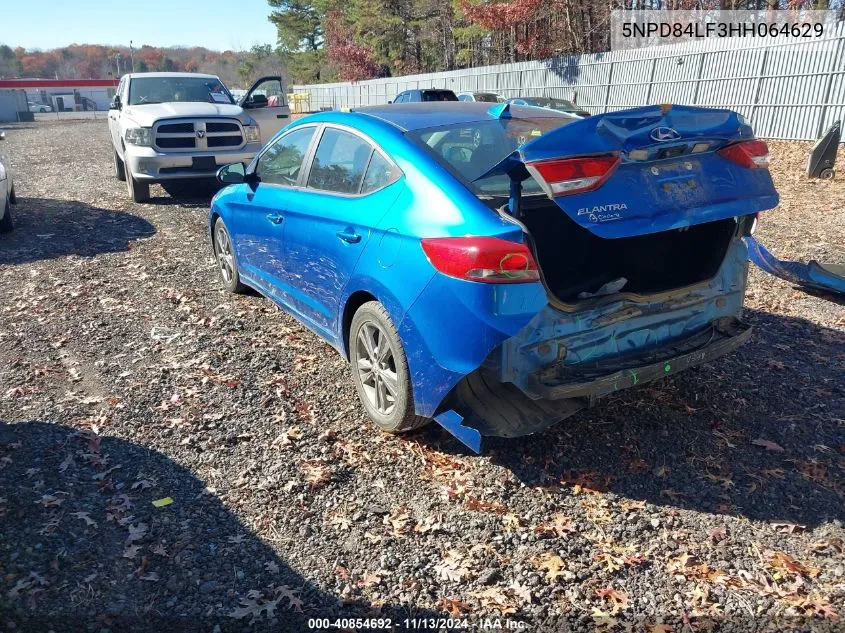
{"points": [[824, 277]]}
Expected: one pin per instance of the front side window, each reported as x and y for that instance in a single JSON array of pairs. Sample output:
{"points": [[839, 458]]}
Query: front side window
{"points": [[339, 162], [272, 89], [145, 90], [281, 163]]}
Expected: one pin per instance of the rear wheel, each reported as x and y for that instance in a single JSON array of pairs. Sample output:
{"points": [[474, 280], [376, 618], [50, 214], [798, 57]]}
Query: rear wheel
{"points": [[380, 370], [138, 191], [119, 168], [6, 222], [827, 174]]}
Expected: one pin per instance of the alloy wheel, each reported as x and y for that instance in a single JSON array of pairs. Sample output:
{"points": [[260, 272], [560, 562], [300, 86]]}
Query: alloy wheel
{"points": [[223, 249], [376, 367]]}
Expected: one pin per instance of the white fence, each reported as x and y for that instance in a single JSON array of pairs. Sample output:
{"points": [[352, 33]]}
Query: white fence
{"points": [[787, 89]]}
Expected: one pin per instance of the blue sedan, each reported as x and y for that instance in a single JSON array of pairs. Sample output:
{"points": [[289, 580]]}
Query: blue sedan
{"points": [[498, 269]]}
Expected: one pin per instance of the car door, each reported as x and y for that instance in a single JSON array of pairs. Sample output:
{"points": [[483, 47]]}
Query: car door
{"points": [[265, 101], [347, 192], [262, 206], [114, 116]]}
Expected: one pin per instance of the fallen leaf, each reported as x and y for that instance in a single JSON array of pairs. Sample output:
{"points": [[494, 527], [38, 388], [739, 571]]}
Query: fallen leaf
{"points": [[768, 445], [85, 517]]}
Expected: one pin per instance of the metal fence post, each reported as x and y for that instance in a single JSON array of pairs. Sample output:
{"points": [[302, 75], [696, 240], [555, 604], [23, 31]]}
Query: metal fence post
{"points": [[609, 84], [831, 67], [758, 84], [698, 73], [650, 80]]}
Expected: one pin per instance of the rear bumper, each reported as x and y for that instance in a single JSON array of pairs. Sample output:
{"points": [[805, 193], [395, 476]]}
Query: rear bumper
{"points": [[722, 337], [494, 408], [147, 165]]}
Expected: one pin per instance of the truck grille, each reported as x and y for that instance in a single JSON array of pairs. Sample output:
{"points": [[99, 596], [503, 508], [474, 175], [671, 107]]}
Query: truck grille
{"points": [[192, 135]]}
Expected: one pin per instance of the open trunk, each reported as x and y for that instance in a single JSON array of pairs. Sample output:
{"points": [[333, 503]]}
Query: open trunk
{"points": [[577, 264]]}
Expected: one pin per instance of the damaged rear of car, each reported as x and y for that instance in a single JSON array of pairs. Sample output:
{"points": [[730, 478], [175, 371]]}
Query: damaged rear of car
{"points": [[626, 264]]}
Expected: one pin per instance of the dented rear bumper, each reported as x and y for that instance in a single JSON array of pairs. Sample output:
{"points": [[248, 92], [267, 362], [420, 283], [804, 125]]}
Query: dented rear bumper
{"points": [[722, 337]]}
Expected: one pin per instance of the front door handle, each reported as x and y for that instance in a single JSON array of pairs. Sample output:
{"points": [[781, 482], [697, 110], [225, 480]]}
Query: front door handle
{"points": [[350, 237], [275, 218]]}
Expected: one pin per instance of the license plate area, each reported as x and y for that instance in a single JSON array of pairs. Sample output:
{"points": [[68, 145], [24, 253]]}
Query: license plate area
{"points": [[204, 163], [677, 182]]}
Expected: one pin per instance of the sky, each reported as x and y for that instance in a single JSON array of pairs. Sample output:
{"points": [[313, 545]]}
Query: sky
{"points": [[215, 24]]}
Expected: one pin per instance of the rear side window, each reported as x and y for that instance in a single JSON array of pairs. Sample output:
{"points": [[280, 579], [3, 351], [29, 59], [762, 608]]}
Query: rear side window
{"points": [[379, 174], [340, 162], [438, 95], [281, 163]]}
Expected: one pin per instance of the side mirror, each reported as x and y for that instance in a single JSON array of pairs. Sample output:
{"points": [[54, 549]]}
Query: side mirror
{"points": [[256, 101], [389, 102], [232, 174], [115, 103]]}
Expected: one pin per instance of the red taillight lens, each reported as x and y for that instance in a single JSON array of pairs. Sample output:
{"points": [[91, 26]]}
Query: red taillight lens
{"points": [[752, 154], [486, 259], [573, 175]]}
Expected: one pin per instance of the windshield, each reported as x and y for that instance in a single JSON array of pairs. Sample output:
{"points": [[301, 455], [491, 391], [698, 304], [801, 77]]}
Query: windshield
{"points": [[144, 90], [471, 149]]}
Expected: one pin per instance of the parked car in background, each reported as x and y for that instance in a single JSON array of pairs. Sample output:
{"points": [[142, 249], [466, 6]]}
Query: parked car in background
{"points": [[486, 97], [561, 105], [180, 126], [39, 107], [7, 187], [425, 245], [430, 94]]}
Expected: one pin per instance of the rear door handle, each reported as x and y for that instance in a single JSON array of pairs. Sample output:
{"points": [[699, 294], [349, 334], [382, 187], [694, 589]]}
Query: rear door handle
{"points": [[276, 219], [349, 237]]}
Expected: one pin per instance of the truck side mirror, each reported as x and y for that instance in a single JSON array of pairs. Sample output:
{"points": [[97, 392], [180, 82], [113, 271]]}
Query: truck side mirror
{"points": [[115, 103], [256, 101]]}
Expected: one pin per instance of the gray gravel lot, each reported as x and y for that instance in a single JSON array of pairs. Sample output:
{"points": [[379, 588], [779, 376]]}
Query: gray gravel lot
{"points": [[713, 499]]}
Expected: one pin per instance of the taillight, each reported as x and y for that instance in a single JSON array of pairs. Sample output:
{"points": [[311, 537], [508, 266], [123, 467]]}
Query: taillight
{"points": [[486, 259], [563, 176], [752, 154]]}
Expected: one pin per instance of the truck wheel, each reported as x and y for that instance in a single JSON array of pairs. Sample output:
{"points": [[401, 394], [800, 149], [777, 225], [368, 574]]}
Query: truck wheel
{"points": [[6, 222], [827, 174], [380, 370], [119, 168], [138, 191]]}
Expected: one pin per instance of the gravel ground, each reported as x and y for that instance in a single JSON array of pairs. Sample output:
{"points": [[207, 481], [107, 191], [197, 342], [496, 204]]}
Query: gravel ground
{"points": [[710, 500]]}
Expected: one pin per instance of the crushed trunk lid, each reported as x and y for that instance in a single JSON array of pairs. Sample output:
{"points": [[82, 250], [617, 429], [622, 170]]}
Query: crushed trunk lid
{"points": [[668, 174]]}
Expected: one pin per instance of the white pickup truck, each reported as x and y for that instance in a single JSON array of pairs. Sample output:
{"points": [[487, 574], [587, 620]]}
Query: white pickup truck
{"points": [[180, 126]]}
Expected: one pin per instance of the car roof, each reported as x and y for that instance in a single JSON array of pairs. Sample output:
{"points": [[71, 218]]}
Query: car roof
{"points": [[417, 116], [200, 75]]}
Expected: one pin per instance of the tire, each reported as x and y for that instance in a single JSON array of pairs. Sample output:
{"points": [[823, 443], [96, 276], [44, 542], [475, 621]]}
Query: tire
{"points": [[827, 174], [6, 222], [371, 329], [227, 262], [119, 168], [138, 191]]}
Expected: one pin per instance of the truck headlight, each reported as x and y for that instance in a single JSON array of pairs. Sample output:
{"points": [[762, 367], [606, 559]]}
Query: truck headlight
{"points": [[142, 136], [252, 134]]}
